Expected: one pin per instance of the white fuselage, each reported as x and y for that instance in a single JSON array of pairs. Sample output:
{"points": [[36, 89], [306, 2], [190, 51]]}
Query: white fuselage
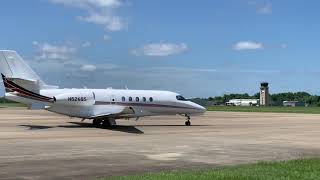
{"points": [[89, 103], [23, 85]]}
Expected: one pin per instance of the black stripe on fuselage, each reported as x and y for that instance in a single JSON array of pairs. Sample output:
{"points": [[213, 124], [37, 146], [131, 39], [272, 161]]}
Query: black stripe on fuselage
{"points": [[140, 104]]}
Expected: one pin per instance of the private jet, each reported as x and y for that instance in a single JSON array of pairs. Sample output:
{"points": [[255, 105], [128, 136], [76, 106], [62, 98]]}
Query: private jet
{"points": [[102, 106]]}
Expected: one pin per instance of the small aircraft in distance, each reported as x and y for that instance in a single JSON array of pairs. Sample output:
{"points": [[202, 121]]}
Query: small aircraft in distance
{"points": [[102, 106]]}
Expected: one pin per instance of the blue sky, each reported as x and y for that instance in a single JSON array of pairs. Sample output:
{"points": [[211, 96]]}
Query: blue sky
{"points": [[197, 48]]}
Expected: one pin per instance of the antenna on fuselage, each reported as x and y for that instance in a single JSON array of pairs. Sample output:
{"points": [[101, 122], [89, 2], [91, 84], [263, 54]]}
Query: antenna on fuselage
{"points": [[126, 87]]}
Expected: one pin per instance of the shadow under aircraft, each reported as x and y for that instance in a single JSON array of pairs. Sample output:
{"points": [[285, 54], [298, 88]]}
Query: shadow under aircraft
{"points": [[126, 129]]}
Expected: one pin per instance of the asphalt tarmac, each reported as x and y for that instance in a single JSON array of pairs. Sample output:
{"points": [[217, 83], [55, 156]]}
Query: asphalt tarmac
{"points": [[43, 145]]}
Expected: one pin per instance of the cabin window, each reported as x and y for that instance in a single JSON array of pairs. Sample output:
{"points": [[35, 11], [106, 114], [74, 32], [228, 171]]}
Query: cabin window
{"points": [[181, 98], [123, 98], [130, 98], [151, 99], [144, 99], [137, 99]]}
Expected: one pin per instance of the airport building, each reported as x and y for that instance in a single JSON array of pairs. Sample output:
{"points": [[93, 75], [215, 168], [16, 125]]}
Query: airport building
{"points": [[264, 94], [293, 104], [243, 102]]}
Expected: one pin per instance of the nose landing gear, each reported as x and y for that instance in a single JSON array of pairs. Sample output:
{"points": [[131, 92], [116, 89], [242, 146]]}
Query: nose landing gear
{"points": [[188, 122]]}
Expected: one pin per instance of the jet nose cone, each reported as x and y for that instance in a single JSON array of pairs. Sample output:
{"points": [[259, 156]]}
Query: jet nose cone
{"points": [[200, 109]]}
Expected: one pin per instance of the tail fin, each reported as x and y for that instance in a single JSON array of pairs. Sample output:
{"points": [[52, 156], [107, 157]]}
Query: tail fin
{"points": [[13, 67]]}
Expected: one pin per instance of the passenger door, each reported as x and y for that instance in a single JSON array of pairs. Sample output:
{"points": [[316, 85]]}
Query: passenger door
{"points": [[113, 99]]}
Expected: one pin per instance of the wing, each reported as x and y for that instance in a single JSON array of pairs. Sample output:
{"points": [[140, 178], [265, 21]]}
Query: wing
{"points": [[112, 111]]}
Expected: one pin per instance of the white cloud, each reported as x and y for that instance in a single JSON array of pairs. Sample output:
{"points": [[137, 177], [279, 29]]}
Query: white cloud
{"points": [[55, 52], [160, 49], [265, 9], [247, 45], [261, 7], [65, 58], [253, 3], [89, 3], [88, 67], [106, 37], [181, 69], [99, 12], [107, 66], [35, 43], [86, 44], [111, 23], [284, 46]]}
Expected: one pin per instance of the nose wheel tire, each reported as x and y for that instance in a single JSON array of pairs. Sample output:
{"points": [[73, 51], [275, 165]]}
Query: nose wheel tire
{"points": [[188, 123]]}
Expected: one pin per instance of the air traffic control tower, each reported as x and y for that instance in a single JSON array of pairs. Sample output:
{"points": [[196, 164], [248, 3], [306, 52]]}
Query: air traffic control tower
{"points": [[264, 94]]}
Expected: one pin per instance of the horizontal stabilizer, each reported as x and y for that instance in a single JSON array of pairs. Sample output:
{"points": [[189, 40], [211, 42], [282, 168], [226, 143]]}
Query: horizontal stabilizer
{"points": [[20, 90], [31, 85]]}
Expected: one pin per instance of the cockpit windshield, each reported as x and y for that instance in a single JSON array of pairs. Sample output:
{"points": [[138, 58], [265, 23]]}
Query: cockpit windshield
{"points": [[181, 98]]}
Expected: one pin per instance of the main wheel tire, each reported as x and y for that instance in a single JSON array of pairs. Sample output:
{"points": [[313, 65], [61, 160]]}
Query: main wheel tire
{"points": [[188, 123], [96, 122], [106, 123]]}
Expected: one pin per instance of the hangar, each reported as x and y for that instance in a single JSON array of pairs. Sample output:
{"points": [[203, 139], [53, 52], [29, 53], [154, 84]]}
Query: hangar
{"points": [[243, 102], [293, 104]]}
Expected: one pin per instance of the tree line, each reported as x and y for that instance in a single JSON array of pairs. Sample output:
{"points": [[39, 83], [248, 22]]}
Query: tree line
{"points": [[276, 99], [3, 100]]}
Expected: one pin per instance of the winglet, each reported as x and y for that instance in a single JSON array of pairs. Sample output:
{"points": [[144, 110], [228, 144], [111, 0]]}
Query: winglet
{"points": [[3, 76]]}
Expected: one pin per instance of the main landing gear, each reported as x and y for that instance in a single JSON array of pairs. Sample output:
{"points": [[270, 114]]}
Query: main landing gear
{"points": [[96, 122], [188, 122], [104, 123]]}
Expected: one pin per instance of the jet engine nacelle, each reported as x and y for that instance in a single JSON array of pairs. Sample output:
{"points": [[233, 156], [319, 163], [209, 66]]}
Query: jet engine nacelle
{"points": [[80, 99]]}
